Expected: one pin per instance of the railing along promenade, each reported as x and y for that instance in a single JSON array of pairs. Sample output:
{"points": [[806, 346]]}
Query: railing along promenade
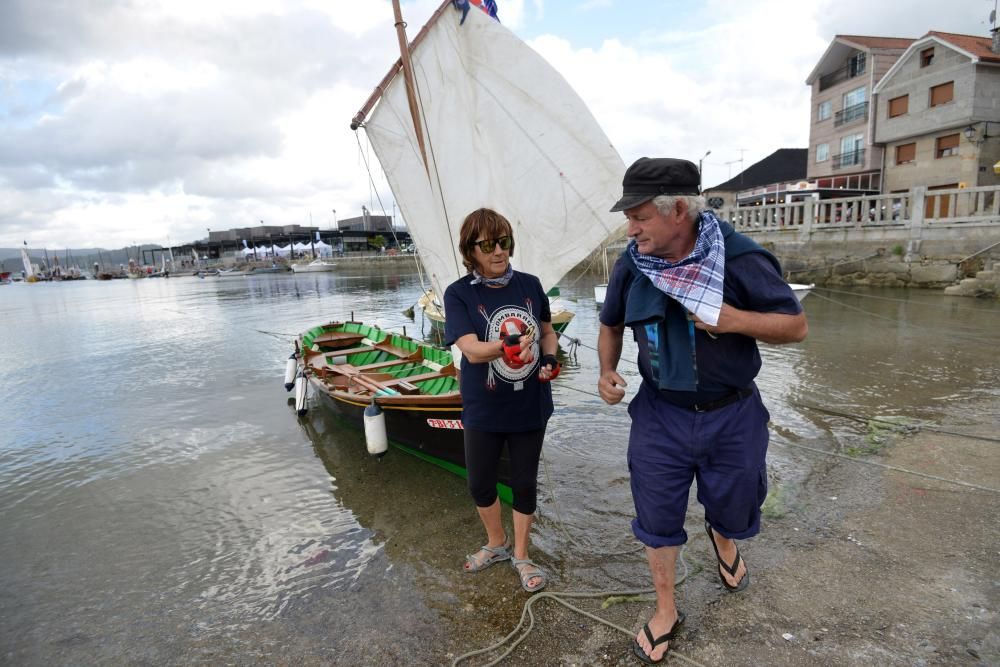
{"points": [[916, 215]]}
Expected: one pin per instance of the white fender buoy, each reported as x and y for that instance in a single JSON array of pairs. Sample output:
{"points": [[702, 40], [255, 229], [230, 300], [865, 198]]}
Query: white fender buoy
{"points": [[290, 372], [301, 389], [340, 361], [375, 437]]}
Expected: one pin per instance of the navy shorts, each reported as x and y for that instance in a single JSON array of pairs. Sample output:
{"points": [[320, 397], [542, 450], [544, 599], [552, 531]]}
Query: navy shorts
{"points": [[723, 449]]}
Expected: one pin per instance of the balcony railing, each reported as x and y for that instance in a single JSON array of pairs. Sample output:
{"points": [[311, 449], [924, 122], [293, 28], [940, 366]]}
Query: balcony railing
{"points": [[842, 74], [851, 114], [855, 157]]}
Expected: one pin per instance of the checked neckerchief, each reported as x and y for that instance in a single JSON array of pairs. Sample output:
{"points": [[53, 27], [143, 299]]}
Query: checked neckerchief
{"points": [[696, 280]]}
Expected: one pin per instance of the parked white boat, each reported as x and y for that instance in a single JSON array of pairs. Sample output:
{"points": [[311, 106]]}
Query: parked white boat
{"points": [[600, 292], [801, 290], [315, 265]]}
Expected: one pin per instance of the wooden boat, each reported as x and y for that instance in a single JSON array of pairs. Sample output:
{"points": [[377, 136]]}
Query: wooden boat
{"points": [[350, 365], [508, 132]]}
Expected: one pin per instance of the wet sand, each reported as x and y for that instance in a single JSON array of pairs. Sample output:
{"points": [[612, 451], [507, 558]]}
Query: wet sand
{"points": [[867, 567]]}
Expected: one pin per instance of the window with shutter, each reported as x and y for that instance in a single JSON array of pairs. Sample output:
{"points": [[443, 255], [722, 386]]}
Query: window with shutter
{"points": [[906, 153], [946, 145], [899, 106], [942, 94]]}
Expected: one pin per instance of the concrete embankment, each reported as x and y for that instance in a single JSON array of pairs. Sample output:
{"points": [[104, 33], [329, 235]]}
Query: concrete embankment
{"points": [[962, 265]]}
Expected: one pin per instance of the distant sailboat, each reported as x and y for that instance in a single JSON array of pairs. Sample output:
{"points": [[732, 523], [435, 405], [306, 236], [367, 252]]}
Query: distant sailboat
{"points": [[29, 269]]}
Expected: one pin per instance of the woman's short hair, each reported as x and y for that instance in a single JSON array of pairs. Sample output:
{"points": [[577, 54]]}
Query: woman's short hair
{"points": [[483, 223]]}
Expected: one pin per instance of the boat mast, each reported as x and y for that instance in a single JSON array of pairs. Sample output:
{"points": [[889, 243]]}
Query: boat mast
{"points": [[411, 92], [360, 116]]}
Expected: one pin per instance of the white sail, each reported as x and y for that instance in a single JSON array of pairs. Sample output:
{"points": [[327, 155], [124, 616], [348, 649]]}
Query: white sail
{"points": [[503, 130], [29, 270]]}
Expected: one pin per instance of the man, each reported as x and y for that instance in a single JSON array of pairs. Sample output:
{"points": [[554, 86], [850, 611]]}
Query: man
{"points": [[698, 296]]}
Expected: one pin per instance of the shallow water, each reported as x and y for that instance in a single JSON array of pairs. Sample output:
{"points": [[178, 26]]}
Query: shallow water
{"points": [[160, 501]]}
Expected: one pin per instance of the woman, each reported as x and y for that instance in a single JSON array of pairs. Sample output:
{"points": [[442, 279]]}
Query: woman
{"points": [[499, 319]]}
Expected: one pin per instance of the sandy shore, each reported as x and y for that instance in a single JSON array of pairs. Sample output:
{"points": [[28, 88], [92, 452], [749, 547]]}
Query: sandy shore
{"points": [[864, 566]]}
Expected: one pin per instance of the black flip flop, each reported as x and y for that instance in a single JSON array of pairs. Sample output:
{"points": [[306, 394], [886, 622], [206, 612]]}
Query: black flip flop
{"points": [[731, 569], [666, 637]]}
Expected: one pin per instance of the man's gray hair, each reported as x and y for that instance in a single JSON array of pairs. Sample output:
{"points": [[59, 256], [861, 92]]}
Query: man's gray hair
{"points": [[695, 204]]}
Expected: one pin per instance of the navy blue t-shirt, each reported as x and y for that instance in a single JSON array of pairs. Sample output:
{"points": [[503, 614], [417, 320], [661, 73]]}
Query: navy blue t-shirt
{"points": [[495, 396], [726, 363]]}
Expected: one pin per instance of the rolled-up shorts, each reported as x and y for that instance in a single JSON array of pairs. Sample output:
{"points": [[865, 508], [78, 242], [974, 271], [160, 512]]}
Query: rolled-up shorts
{"points": [[723, 449]]}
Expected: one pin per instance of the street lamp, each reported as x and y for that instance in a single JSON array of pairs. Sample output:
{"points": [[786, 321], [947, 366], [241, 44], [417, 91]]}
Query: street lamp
{"points": [[971, 134], [707, 153]]}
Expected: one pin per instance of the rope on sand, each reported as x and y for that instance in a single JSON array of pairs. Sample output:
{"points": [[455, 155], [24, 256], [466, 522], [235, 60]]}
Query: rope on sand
{"points": [[559, 596]]}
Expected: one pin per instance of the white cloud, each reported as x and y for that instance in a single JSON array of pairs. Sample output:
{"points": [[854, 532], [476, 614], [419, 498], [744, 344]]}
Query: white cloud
{"points": [[133, 121]]}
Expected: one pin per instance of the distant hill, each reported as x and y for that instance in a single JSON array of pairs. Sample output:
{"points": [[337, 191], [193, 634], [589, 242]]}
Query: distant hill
{"points": [[10, 258]]}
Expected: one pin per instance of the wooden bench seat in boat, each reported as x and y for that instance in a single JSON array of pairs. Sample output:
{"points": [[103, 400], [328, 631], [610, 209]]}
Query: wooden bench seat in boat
{"points": [[338, 337], [348, 377], [404, 356]]}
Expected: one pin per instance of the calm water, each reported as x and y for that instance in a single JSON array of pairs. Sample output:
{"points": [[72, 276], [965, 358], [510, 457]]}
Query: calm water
{"points": [[161, 503]]}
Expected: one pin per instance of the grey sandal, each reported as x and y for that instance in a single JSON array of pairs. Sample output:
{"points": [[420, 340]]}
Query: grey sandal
{"points": [[527, 575], [493, 555]]}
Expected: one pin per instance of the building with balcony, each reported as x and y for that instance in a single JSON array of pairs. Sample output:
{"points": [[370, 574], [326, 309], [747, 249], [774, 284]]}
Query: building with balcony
{"points": [[938, 115], [843, 155]]}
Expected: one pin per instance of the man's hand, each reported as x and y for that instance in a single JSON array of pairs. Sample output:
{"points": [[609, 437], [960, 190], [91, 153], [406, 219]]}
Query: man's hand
{"points": [[611, 387], [774, 328]]}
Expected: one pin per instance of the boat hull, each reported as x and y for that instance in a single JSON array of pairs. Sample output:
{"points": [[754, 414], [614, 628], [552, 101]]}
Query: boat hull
{"points": [[427, 426]]}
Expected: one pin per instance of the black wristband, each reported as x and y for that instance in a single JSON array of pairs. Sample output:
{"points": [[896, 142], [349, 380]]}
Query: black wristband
{"points": [[550, 360]]}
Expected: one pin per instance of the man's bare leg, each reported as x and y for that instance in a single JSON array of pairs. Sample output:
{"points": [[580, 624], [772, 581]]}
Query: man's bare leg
{"points": [[662, 565]]}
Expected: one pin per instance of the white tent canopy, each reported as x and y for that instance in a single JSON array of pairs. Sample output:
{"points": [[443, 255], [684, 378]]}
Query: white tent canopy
{"points": [[323, 249]]}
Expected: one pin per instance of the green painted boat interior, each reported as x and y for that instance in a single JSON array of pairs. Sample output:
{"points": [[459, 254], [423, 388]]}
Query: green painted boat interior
{"points": [[431, 387]]}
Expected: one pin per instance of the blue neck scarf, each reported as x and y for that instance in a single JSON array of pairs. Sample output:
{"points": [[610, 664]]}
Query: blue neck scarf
{"points": [[696, 280], [480, 279]]}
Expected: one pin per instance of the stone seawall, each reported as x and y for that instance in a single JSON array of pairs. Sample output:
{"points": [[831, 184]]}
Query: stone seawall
{"points": [[884, 262], [889, 258]]}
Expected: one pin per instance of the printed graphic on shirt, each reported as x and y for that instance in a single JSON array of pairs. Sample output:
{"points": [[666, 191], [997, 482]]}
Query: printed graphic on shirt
{"points": [[508, 321], [653, 346]]}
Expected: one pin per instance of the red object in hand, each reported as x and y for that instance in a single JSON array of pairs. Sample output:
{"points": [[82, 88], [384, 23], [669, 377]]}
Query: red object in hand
{"points": [[512, 350], [551, 361]]}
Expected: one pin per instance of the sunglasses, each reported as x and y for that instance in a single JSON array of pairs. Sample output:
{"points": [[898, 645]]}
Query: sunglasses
{"points": [[487, 245]]}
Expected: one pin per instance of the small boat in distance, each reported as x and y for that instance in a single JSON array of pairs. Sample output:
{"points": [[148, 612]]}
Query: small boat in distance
{"points": [[319, 264], [801, 290], [358, 369]]}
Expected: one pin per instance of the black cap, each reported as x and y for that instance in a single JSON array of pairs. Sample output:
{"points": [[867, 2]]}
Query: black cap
{"points": [[652, 177]]}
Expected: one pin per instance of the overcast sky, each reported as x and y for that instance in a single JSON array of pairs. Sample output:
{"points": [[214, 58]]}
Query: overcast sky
{"points": [[145, 121]]}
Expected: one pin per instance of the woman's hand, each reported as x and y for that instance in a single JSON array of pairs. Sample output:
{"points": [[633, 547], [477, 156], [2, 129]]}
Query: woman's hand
{"points": [[549, 368]]}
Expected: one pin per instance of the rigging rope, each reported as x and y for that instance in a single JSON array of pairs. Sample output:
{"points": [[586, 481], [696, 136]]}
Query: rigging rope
{"points": [[558, 596]]}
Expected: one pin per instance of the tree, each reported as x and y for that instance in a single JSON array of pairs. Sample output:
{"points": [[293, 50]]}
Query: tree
{"points": [[377, 242]]}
